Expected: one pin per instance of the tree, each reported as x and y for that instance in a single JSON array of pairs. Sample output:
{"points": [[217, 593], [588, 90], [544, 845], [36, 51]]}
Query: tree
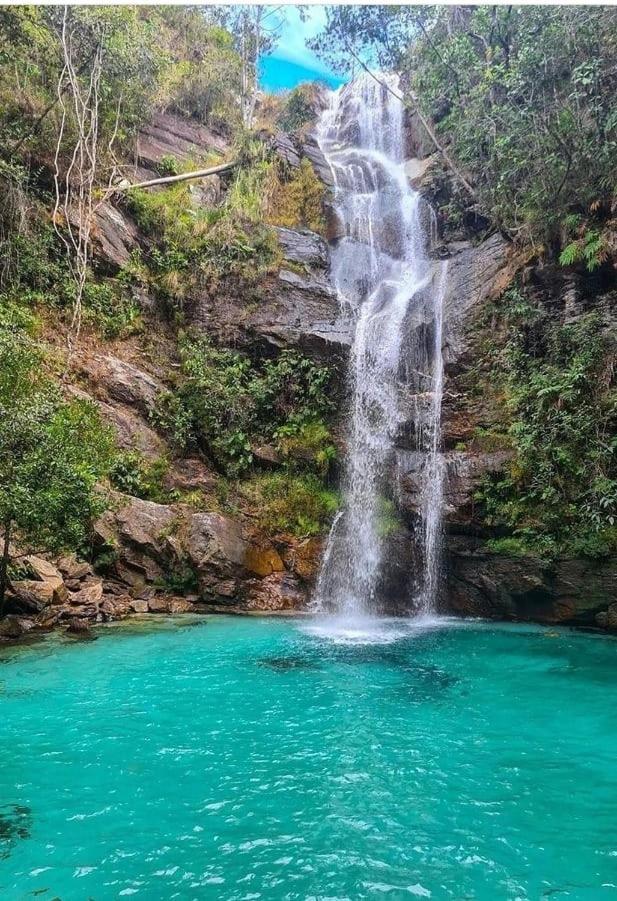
{"points": [[52, 455], [522, 98]]}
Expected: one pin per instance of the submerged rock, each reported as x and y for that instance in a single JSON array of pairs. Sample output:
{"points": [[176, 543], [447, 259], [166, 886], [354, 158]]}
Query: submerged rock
{"points": [[80, 629]]}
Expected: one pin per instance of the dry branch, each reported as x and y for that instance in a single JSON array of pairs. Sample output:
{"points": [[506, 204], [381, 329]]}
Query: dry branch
{"points": [[173, 179]]}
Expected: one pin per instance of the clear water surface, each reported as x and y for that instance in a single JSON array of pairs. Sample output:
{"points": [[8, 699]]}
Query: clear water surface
{"points": [[251, 758]]}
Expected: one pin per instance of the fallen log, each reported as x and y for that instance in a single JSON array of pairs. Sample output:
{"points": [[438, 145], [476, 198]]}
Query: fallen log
{"points": [[173, 179]]}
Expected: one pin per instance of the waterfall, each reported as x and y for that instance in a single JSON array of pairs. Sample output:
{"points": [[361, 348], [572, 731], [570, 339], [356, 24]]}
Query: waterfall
{"points": [[392, 293]]}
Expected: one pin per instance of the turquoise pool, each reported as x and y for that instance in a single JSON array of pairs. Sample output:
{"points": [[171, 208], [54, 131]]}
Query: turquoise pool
{"points": [[257, 758]]}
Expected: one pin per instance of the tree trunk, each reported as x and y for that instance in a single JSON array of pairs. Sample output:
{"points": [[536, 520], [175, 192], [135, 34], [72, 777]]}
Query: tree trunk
{"points": [[4, 565], [173, 179]]}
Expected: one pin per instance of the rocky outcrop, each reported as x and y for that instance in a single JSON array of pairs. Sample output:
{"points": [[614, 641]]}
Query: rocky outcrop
{"points": [[229, 562], [472, 278], [169, 135], [114, 236], [487, 584], [298, 307], [124, 383], [463, 475]]}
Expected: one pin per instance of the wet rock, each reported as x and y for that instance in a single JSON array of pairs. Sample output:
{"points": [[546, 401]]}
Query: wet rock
{"points": [[14, 627], [170, 605], [303, 246], [15, 824], [303, 558], [283, 664], [464, 473], [263, 559], [48, 618], [80, 629], [139, 606], [116, 607], [473, 273], [484, 583]]}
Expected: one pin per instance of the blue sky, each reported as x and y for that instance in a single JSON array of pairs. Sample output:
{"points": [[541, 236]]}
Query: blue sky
{"points": [[291, 61]]}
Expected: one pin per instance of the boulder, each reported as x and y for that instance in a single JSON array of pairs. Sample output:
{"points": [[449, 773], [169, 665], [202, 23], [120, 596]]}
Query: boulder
{"points": [[170, 605], [279, 591], [217, 550], [30, 595], [48, 618], [114, 235], [80, 629], [44, 570], [72, 568], [303, 558], [190, 474], [90, 592], [13, 627], [263, 559], [139, 606], [117, 381], [116, 607]]}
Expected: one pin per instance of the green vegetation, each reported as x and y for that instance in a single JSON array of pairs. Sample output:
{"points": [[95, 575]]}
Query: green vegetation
{"points": [[522, 97], [224, 404], [560, 494], [52, 455], [298, 108], [134, 475], [297, 199], [287, 502]]}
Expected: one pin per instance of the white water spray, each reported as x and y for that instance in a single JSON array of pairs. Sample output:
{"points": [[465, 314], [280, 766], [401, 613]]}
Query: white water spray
{"points": [[393, 294]]}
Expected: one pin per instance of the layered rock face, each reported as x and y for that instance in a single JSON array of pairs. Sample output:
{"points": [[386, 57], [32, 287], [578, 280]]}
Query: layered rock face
{"points": [[222, 560]]}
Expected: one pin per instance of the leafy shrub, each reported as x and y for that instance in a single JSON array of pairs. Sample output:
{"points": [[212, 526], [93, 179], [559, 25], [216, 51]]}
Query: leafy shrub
{"points": [[561, 486], [297, 201], [298, 108], [223, 402], [132, 474], [306, 444], [181, 580], [291, 503], [203, 247]]}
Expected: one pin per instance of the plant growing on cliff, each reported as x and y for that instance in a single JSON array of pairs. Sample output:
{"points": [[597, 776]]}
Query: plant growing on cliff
{"points": [[224, 403], [558, 383], [52, 455]]}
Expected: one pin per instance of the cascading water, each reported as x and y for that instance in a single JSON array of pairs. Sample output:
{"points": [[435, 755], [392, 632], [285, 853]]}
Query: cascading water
{"points": [[393, 294]]}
